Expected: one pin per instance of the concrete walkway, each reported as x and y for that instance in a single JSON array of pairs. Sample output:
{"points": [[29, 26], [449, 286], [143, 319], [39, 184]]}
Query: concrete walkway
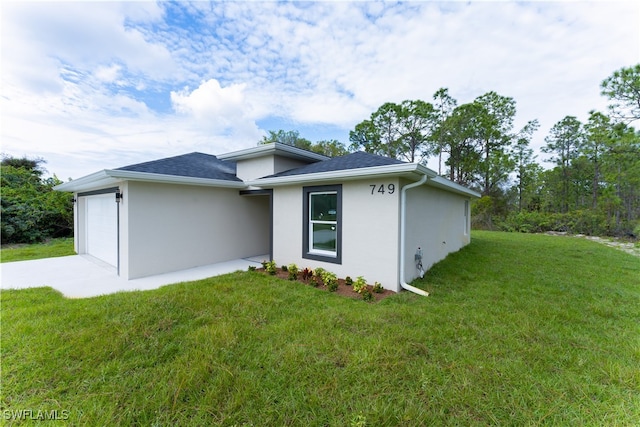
{"points": [[80, 276]]}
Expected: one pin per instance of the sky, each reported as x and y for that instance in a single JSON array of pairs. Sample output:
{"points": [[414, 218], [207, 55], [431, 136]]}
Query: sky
{"points": [[98, 85]]}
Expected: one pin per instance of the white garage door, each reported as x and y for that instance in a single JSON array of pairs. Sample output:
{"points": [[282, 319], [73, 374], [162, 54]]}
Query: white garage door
{"points": [[102, 227]]}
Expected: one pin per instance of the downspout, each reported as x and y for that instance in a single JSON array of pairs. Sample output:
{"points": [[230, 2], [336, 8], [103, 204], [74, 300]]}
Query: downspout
{"points": [[403, 214], [119, 197]]}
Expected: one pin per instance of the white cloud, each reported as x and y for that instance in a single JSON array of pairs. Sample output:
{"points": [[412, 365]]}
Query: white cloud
{"points": [[108, 74], [120, 81], [218, 110], [210, 100]]}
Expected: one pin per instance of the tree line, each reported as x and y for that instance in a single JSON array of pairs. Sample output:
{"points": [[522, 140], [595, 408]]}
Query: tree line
{"points": [[593, 187], [31, 211]]}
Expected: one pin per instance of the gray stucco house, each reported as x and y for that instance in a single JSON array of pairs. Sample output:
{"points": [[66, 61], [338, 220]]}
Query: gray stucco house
{"points": [[355, 215]]}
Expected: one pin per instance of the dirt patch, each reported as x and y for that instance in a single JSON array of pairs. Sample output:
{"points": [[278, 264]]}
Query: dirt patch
{"points": [[620, 244], [627, 247], [14, 245], [343, 289]]}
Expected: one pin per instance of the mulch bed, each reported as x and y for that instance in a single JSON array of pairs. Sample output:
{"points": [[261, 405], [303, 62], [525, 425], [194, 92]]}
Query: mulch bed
{"points": [[343, 289]]}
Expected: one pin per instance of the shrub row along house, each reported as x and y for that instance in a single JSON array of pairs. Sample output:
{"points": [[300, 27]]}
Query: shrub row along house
{"points": [[358, 215]]}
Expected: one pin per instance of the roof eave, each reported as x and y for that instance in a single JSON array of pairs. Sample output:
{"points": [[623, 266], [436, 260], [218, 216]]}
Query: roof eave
{"points": [[408, 170], [93, 181], [110, 177], [174, 179], [411, 171], [443, 183], [272, 148]]}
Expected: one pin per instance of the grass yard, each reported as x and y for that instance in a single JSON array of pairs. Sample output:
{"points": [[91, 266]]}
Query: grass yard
{"points": [[519, 330], [49, 249]]}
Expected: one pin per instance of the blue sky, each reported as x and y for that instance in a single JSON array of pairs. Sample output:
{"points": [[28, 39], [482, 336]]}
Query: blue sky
{"points": [[98, 85]]}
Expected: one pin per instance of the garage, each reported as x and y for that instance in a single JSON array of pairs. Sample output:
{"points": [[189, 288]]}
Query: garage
{"points": [[102, 227]]}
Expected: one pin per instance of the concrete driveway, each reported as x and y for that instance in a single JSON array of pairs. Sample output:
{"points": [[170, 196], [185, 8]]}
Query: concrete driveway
{"points": [[80, 276]]}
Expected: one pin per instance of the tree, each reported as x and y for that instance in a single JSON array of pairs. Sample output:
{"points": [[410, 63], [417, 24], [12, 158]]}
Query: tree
{"points": [[30, 210], [621, 175], [495, 124], [598, 132], [563, 142], [526, 168], [33, 166], [364, 136], [444, 105], [416, 125], [381, 134], [460, 133], [397, 131], [623, 88], [291, 137], [329, 148]]}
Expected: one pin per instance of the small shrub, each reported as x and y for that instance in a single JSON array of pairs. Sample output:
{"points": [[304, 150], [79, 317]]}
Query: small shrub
{"points": [[367, 295], [359, 285], [252, 268], [307, 274], [348, 281], [293, 271], [377, 288], [284, 268], [270, 267], [318, 275], [330, 280]]}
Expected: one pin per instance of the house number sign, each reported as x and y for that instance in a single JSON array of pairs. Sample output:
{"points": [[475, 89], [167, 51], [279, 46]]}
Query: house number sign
{"points": [[382, 189]]}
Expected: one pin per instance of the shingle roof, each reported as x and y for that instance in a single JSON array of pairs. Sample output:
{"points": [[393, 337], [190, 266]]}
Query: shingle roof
{"points": [[196, 165], [355, 160]]}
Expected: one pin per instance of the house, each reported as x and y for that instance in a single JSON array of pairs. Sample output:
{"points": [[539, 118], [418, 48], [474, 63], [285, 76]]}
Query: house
{"points": [[355, 215]]}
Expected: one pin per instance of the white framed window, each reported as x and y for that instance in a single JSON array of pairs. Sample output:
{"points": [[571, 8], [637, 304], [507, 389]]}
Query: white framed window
{"points": [[322, 225]]}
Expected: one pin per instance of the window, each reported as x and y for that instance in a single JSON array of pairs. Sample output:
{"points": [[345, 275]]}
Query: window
{"points": [[466, 217], [322, 232]]}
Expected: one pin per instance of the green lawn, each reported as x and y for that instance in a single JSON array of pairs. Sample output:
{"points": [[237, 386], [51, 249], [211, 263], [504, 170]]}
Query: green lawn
{"points": [[518, 330], [50, 249]]}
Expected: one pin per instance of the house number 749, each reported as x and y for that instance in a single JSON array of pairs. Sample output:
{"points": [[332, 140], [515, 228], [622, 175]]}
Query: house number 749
{"points": [[382, 189]]}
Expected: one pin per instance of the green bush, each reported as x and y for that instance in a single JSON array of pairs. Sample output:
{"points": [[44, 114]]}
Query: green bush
{"points": [[330, 280], [318, 275], [270, 267], [360, 285], [367, 295], [576, 222], [293, 272], [30, 210]]}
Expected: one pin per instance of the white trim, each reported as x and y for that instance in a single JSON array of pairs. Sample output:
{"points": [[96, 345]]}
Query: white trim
{"points": [[109, 177], [272, 148], [409, 170], [175, 179], [440, 182], [95, 180], [311, 221], [345, 174]]}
